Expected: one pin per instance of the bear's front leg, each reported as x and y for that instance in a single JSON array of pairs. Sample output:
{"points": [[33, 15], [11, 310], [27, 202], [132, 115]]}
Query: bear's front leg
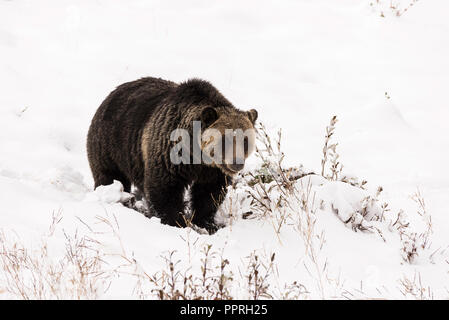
{"points": [[167, 200], [206, 198]]}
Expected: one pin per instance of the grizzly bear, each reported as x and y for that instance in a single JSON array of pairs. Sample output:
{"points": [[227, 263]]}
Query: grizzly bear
{"points": [[131, 140]]}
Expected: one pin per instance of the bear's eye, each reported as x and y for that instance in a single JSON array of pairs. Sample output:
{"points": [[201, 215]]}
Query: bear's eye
{"points": [[208, 116]]}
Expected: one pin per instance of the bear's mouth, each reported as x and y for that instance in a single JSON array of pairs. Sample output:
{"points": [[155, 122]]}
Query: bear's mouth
{"points": [[229, 171]]}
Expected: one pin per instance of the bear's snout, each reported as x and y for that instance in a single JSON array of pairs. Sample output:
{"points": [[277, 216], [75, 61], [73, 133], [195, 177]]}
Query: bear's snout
{"points": [[236, 167]]}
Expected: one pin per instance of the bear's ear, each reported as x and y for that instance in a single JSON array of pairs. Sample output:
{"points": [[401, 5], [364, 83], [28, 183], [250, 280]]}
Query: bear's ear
{"points": [[252, 115], [208, 116]]}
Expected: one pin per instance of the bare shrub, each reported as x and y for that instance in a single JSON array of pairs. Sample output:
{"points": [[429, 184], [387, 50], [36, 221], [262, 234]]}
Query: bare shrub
{"points": [[284, 196], [34, 274], [330, 154], [82, 273], [214, 281], [175, 283], [392, 7], [413, 288], [258, 274], [413, 242], [272, 186]]}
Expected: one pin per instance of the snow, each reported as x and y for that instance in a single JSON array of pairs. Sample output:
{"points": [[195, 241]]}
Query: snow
{"points": [[298, 63]]}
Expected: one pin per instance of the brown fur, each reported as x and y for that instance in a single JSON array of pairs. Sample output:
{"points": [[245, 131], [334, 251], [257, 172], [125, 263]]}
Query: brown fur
{"points": [[129, 141]]}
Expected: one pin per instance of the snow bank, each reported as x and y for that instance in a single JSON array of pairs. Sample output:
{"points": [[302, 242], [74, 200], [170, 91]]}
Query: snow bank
{"points": [[298, 63]]}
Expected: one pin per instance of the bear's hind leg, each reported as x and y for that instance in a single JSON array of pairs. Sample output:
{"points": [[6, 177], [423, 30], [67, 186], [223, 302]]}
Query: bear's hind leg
{"points": [[107, 177]]}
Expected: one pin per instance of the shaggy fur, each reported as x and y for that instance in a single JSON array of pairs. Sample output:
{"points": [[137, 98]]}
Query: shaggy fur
{"points": [[129, 141]]}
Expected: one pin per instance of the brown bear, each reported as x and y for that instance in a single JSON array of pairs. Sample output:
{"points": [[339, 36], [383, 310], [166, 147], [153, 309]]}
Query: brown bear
{"points": [[131, 140]]}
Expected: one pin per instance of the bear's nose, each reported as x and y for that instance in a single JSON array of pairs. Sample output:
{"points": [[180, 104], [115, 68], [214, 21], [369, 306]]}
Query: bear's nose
{"points": [[236, 167]]}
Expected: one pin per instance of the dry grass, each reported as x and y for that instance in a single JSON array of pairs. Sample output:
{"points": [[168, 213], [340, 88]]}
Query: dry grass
{"points": [[273, 192], [35, 274], [284, 196], [81, 272], [330, 155], [396, 8], [258, 274], [413, 288], [413, 242], [214, 280]]}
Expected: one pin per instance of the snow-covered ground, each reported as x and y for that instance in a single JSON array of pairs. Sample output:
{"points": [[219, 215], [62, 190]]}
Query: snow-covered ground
{"points": [[298, 63]]}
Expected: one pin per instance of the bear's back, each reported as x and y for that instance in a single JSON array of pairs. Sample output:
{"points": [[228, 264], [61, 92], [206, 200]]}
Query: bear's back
{"points": [[133, 102], [116, 128]]}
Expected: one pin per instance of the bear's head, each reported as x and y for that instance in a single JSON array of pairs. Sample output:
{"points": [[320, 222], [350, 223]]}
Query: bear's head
{"points": [[227, 138]]}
